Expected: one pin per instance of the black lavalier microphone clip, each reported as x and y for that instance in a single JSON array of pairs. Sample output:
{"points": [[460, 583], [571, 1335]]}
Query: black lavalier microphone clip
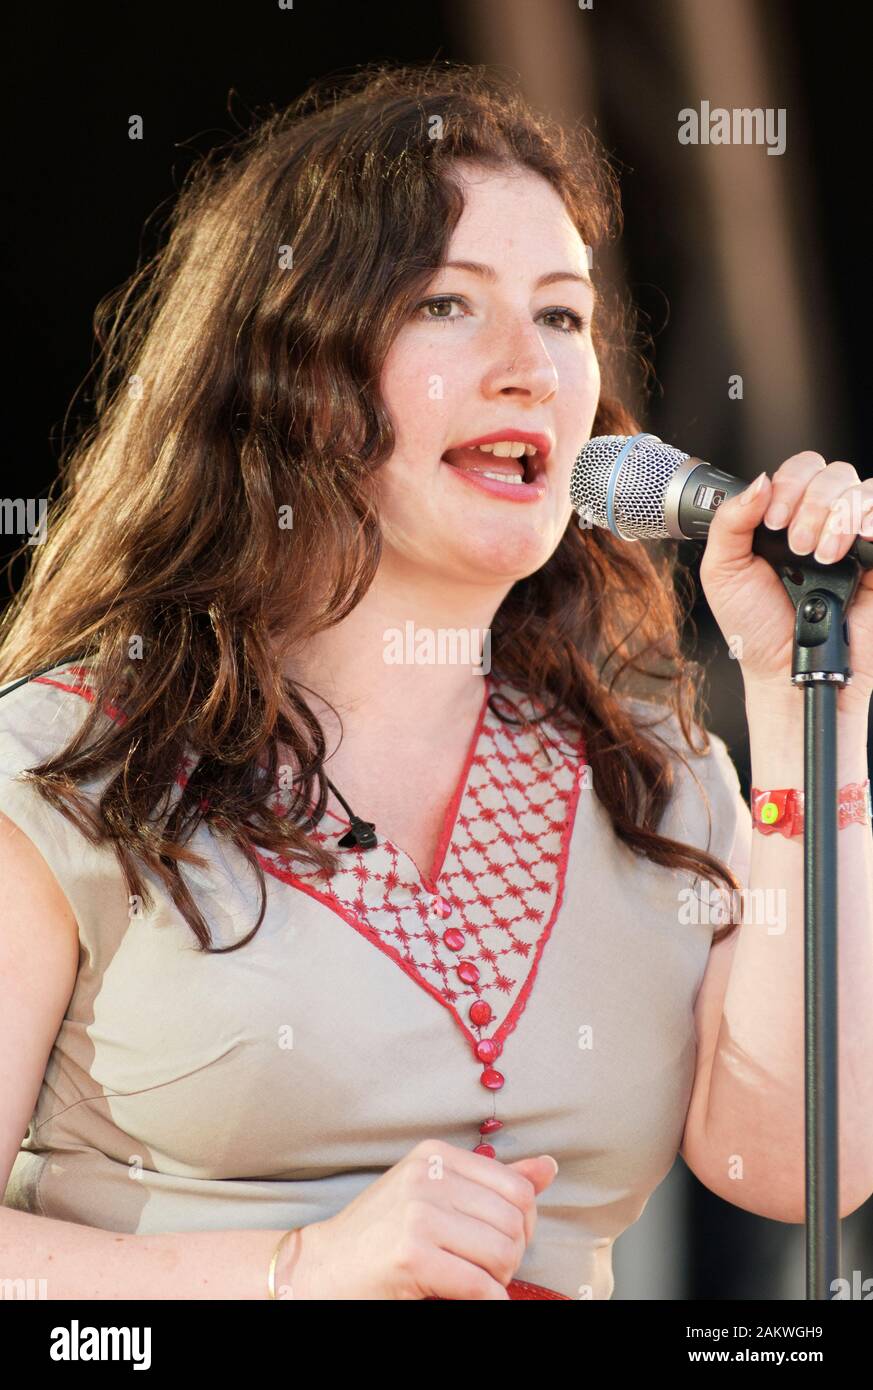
{"points": [[361, 833]]}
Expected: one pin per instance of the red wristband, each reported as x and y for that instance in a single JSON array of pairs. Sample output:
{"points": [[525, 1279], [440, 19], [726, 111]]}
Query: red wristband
{"points": [[780, 810]]}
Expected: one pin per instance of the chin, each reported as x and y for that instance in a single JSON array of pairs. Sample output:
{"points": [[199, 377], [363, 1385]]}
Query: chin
{"points": [[507, 555]]}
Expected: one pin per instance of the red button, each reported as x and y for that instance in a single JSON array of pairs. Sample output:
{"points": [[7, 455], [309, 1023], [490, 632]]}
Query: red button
{"points": [[454, 938], [488, 1050], [489, 1126], [480, 1013], [492, 1079], [468, 972], [441, 908], [485, 1149]]}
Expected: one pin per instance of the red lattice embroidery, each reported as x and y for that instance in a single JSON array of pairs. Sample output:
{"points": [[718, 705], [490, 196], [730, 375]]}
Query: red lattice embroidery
{"points": [[501, 871]]}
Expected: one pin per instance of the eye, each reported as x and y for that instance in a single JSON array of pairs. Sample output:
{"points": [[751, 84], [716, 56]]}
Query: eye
{"points": [[576, 322], [439, 301]]}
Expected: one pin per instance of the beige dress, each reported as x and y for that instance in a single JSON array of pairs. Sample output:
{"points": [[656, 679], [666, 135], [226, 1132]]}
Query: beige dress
{"points": [[538, 974]]}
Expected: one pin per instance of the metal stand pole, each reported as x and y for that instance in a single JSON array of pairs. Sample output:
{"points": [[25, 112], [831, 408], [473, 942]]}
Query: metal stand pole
{"points": [[821, 595]]}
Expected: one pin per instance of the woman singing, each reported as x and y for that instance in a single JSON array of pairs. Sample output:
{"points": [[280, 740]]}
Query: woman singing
{"points": [[365, 854]]}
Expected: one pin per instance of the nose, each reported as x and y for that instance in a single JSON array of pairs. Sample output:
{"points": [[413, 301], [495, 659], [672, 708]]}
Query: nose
{"points": [[521, 365]]}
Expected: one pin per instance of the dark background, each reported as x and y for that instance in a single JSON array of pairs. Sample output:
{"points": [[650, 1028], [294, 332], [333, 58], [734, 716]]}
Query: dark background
{"points": [[740, 262]]}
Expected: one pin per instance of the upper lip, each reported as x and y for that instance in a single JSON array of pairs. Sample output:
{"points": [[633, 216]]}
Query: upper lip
{"points": [[533, 465]]}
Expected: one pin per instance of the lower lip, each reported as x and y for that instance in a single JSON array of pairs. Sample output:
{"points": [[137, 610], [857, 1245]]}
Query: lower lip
{"points": [[515, 492]]}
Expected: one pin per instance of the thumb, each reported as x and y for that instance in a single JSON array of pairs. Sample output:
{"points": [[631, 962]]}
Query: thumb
{"points": [[735, 521], [540, 1171]]}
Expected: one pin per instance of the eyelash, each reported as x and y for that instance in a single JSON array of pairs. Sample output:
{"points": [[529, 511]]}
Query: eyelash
{"points": [[580, 323]]}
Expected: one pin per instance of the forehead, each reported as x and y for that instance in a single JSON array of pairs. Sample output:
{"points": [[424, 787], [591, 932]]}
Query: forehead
{"points": [[512, 209]]}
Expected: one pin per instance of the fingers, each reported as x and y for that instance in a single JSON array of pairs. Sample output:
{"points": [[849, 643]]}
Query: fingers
{"points": [[823, 505], [505, 1181], [467, 1219], [541, 1170], [512, 1185], [730, 536], [789, 484], [476, 1241], [464, 1280], [849, 514], [480, 1201]]}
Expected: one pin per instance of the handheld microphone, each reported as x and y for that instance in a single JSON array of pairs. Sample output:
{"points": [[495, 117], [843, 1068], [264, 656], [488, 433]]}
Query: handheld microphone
{"points": [[643, 489]]}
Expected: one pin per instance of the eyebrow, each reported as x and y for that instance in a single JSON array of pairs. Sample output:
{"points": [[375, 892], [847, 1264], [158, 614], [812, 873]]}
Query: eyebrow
{"points": [[488, 273]]}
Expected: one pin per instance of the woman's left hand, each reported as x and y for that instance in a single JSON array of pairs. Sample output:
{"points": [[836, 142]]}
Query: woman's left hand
{"points": [[744, 592]]}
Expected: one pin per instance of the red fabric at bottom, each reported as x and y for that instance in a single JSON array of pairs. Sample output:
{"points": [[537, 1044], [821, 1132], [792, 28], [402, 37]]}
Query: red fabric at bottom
{"points": [[517, 1288], [520, 1288]]}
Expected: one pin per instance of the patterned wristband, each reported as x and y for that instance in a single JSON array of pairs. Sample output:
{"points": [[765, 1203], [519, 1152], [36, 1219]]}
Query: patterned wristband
{"points": [[780, 811]]}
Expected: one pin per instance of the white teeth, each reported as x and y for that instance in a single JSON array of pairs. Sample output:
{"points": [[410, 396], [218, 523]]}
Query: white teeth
{"points": [[501, 477], [508, 449], [505, 449]]}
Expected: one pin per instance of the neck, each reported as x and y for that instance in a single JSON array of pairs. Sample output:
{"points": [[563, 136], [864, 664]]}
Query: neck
{"points": [[410, 650]]}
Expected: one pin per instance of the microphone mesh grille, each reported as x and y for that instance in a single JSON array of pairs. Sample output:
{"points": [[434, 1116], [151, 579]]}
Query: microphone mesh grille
{"points": [[642, 479]]}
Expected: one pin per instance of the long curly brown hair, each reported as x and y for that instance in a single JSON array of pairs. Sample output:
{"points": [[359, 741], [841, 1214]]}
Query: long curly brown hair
{"points": [[238, 375]]}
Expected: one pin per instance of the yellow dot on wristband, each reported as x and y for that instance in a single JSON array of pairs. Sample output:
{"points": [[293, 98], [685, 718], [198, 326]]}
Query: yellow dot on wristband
{"points": [[769, 812]]}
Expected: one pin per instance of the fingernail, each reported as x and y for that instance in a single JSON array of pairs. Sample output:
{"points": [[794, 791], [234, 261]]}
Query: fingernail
{"points": [[827, 548], [802, 541], [753, 489], [549, 1156]]}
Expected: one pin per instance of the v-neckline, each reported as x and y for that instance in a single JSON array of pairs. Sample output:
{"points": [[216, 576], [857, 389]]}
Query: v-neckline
{"points": [[495, 885], [450, 814]]}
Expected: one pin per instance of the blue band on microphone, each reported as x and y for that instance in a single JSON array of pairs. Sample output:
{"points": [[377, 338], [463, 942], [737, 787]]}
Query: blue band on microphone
{"points": [[626, 448]]}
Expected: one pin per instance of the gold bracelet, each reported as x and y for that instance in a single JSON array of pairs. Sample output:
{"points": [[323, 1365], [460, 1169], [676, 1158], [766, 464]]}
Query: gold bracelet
{"points": [[271, 1275]]}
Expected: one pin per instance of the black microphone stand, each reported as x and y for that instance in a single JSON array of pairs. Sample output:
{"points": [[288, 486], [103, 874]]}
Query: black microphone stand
{"points": [[821, 595]]}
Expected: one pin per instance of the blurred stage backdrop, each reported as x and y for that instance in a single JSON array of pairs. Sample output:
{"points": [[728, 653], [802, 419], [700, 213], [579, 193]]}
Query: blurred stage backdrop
{"points": [[744, 260]]}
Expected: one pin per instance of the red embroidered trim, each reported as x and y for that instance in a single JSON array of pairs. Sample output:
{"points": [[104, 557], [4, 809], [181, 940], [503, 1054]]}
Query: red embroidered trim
{"points": [[111, 710], [454, 805]]}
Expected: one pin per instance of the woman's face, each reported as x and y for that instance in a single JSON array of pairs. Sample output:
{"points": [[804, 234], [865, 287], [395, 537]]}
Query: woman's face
{"points": [[491, 354]]}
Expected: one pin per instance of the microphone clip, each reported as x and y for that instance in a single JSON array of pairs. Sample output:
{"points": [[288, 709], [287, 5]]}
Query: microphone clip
{"points": [[360, 835]]}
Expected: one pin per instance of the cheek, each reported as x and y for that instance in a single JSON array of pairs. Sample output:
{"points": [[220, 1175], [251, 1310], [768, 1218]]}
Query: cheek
{"points": [[580, 377], [423, 378], [576, 405], [411, 362], [594, 376], [415, 398], [406, 499]]}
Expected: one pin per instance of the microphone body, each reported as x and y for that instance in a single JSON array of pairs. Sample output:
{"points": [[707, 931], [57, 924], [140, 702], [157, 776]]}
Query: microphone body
{"points": [[643, 489]]}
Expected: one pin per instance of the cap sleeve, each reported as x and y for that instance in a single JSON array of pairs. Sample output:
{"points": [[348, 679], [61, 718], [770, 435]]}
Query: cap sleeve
{"points": [[707, 808], [37, 720]]}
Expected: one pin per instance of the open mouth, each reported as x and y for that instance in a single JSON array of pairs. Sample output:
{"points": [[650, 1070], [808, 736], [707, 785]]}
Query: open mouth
{"points": [[521, 471]]}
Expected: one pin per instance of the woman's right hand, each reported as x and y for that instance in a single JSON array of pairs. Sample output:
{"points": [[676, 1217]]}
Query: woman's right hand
{"points": [[444, 1222]]}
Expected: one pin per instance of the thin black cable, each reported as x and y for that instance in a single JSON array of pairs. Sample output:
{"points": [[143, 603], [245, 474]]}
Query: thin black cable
{"points": [[361, 833]]}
